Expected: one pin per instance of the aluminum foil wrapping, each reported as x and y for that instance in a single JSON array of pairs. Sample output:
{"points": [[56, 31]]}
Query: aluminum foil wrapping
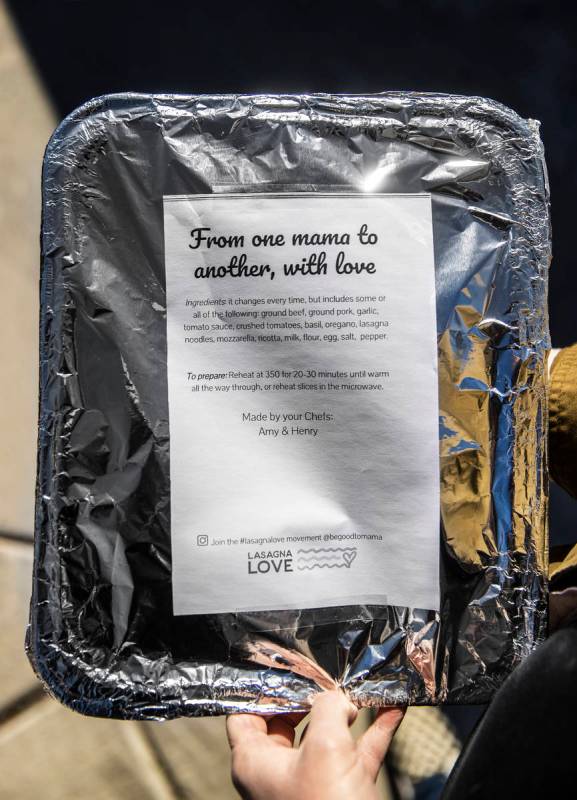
{"points": [[102, 635]]}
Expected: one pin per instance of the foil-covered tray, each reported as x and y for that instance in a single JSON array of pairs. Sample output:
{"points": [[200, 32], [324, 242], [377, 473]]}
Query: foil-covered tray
{"points": [[102, 636]]}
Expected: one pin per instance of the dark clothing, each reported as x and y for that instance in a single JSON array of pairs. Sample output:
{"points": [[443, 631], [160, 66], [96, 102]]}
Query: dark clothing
{"points": [[524, 746]]}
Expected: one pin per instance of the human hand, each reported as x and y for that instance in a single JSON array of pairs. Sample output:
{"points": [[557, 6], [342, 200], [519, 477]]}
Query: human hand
{"points": [[328, 764]]}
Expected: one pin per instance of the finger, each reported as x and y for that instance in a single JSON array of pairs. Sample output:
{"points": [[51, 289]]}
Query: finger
{"points": [[331, 716], [240, 727], [249, 743], [374, 743]]}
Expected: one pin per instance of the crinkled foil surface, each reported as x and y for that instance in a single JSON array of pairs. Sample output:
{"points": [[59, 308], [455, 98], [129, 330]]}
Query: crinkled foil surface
{"points": [[102, 635]]}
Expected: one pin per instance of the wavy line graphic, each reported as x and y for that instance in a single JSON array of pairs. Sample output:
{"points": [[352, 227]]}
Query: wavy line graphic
{"points": [[329, 557], [325, 549], [313, 556]]}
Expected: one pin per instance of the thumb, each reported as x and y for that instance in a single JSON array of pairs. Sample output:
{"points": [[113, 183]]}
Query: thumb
{"points": [[375, 742]]}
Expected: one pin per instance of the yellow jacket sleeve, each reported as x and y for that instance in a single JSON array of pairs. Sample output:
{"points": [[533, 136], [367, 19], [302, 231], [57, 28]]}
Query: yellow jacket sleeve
{"points": [[563, 450]]}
